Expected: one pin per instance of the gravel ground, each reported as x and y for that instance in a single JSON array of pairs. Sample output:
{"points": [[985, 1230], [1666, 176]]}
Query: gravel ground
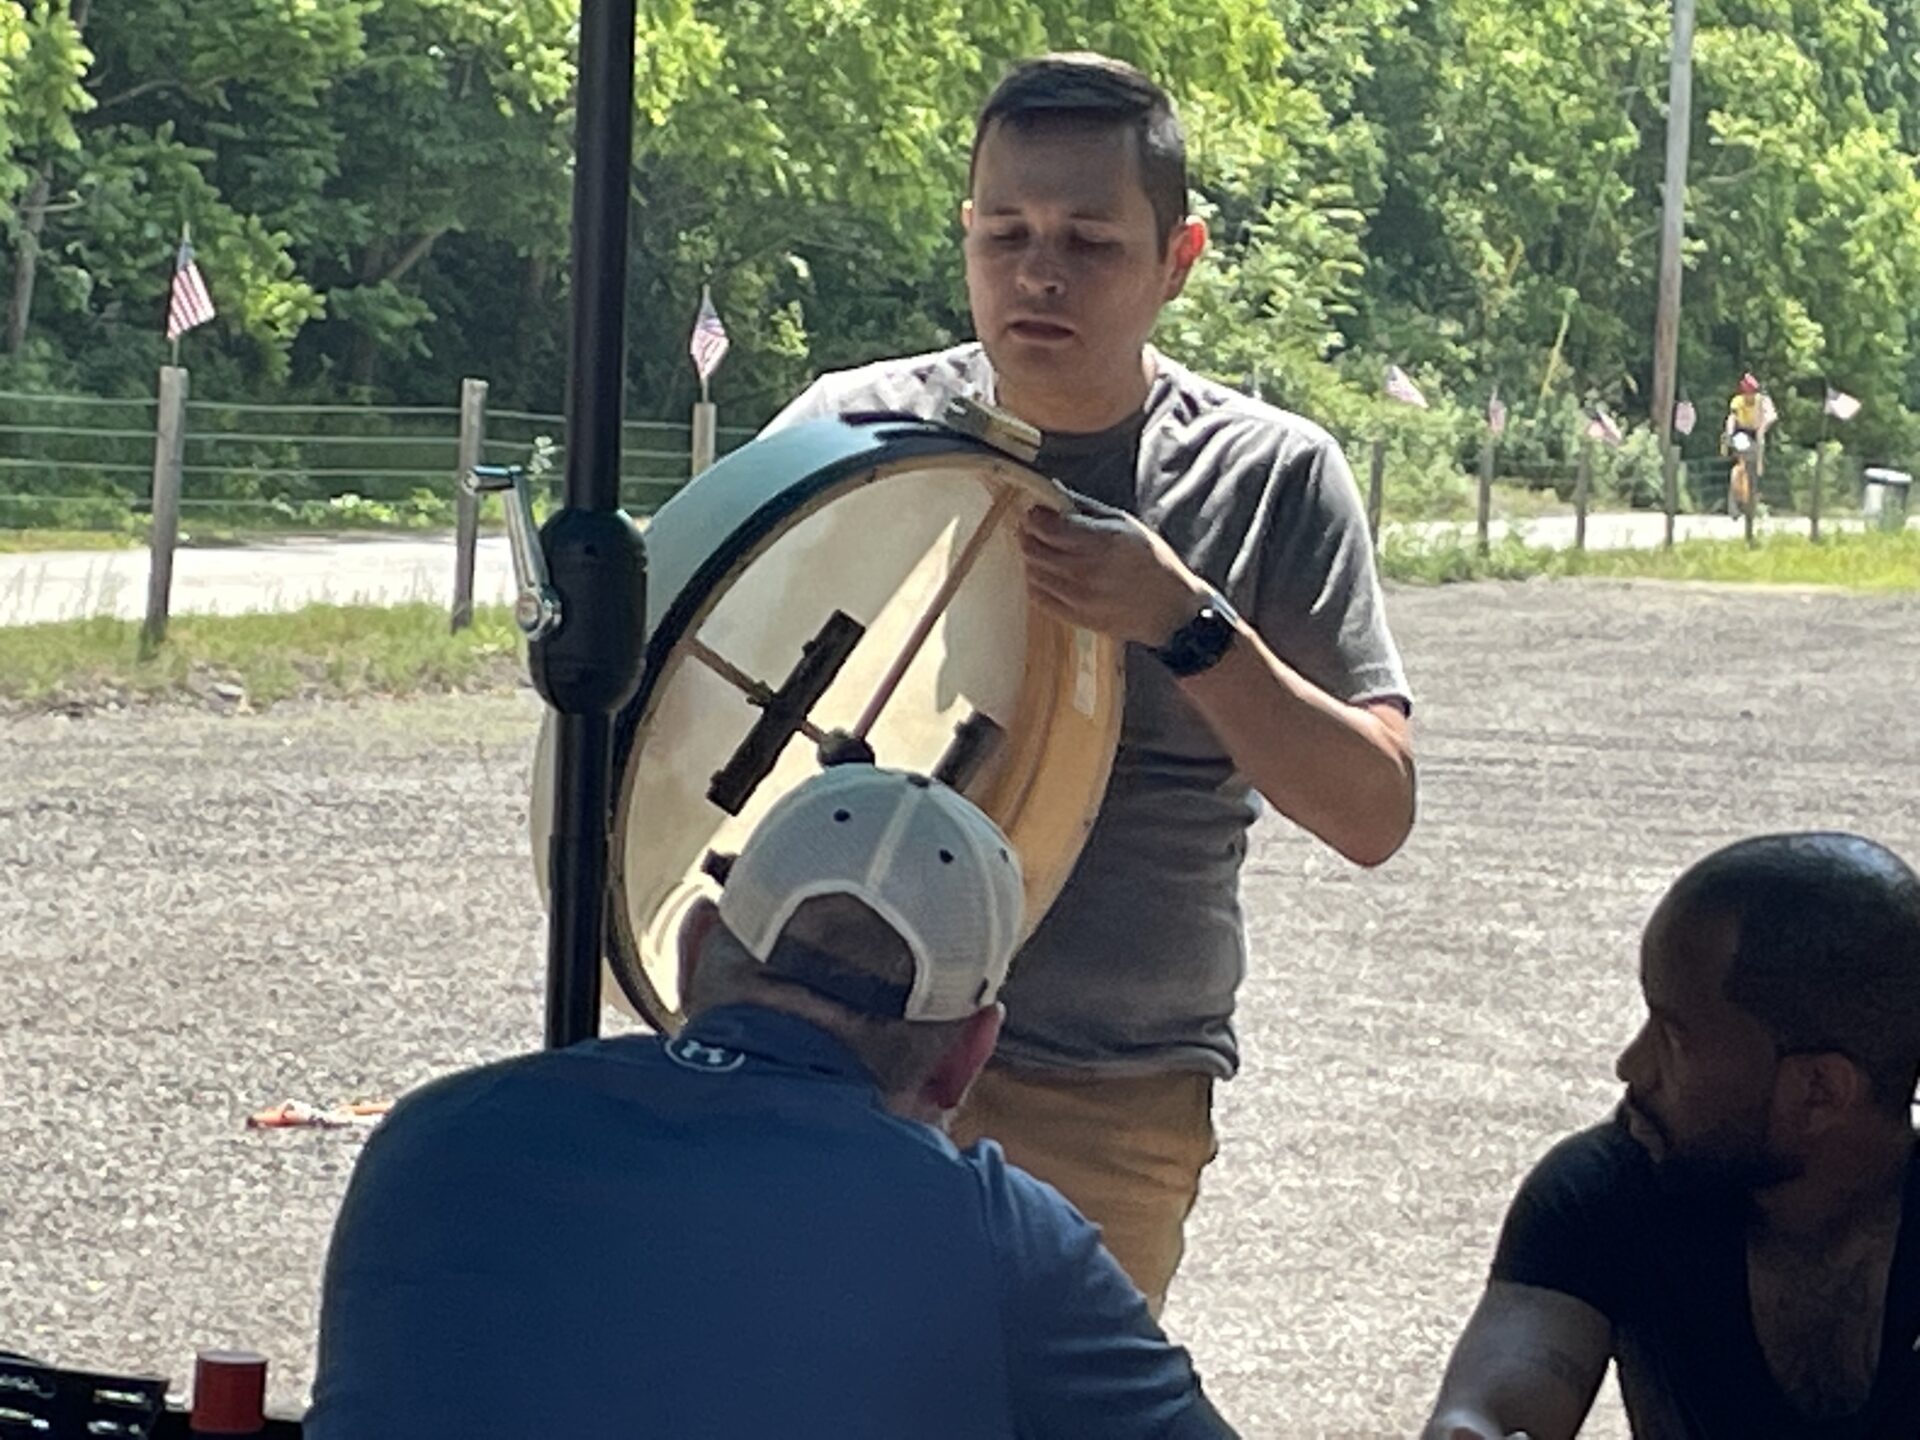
{"points": [[203, 915]]}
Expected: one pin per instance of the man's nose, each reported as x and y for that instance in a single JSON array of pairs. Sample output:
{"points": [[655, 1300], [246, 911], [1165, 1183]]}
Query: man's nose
{"points": [[1040, 273], [1632, 1062]]}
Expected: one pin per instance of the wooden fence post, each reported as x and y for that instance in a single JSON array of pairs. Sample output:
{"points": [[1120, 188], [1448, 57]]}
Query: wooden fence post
{"points": [[1670, 486], [706, 426], [1813, 500], [1484, 518], [1582, 486], [473, 439], [169, 453], [1376, 484]]}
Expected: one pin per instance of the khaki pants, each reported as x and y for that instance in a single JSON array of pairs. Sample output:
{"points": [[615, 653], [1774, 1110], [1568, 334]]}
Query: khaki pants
{"points": [[1127, 1151]]}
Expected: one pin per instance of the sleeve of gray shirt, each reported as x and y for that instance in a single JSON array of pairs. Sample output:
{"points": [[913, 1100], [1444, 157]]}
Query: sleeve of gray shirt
{"points": [[1317, 600], [816, 402], [1083, 1355]]}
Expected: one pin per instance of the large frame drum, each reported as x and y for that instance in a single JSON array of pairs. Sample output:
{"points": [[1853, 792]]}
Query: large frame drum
{"points": [[841, 587]]}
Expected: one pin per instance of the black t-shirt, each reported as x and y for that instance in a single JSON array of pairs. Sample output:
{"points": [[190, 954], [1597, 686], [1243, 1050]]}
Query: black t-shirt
{"points": [[1670, 1272]]}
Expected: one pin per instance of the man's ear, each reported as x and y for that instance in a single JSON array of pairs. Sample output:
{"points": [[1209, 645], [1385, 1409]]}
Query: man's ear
{"points": [[695, 927], [966, 217], [1820, 1092], [953, 1075], [1184, 248]]}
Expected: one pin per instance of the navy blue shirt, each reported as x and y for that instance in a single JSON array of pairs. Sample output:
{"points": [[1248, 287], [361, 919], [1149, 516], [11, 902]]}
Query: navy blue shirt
{"points": [[722, 1235]]}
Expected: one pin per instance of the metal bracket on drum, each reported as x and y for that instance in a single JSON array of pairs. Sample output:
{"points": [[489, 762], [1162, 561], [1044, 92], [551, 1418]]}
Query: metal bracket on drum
{"points": [[976, 740], [1005, 432], [536, 609]]}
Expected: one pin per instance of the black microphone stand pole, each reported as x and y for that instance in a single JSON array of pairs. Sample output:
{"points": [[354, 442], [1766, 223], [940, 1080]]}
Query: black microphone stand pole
{"points": [[588, 665]]}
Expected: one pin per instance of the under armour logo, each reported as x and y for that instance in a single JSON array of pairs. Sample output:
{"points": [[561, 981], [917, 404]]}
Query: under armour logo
{"points": [[707, 1059]]}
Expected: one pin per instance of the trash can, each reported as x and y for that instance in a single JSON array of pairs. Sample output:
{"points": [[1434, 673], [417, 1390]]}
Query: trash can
{"points": [[1883, 500]]}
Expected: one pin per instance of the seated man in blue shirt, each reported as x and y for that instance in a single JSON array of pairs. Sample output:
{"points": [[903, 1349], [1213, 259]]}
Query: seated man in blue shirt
{"points": [[758, 1228], [1743, 1241]]}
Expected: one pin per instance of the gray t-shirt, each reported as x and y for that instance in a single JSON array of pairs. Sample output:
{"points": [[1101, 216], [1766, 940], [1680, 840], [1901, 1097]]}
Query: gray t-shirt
{"points": [[1134, 969]]}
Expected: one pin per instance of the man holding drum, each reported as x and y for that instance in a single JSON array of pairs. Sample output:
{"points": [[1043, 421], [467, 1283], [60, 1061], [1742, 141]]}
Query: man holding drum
{"points": [[755, 1228], [1225, 540]]}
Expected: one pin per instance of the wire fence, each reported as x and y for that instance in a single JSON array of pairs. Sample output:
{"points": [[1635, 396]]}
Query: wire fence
{"points": [[1635, 482], [82, 462]]}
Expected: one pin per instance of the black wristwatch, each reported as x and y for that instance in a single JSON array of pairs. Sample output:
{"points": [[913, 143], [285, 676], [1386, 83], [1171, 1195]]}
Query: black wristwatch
{"points": [[1198, 645]]}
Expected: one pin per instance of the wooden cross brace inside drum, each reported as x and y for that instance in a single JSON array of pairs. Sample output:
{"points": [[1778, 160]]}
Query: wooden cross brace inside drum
{"points": [[787, 709]]}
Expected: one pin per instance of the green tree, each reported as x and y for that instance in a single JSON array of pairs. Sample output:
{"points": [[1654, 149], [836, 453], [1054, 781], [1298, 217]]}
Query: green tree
{"points": [[40, 95], [148, 147], [1805, 211], [809, 156], [450, 174], [1514, 240]]}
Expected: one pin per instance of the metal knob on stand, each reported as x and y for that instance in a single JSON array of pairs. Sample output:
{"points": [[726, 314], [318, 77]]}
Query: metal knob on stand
{"points": [[536, 608]]}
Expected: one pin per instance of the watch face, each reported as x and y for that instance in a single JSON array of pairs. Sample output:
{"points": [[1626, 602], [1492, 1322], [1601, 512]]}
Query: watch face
{"points": [[1199, 643]]}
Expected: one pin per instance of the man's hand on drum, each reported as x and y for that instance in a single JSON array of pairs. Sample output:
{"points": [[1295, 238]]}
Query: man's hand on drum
{"points": [[1106, 571]]}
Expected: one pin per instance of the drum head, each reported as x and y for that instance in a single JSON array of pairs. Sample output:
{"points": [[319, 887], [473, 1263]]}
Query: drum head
{"points": [[882, 604]]}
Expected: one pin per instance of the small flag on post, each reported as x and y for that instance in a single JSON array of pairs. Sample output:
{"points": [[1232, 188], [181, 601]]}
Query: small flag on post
{"points": [[1685, 417], [1496, 414], [1602, 427], [189, 304], [1841, 405], [1400, 388], [709, 342]]}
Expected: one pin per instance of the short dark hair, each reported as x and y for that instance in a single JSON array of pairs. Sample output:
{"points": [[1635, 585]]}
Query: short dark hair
{"points": [[1826, 948], [1080, 88], [838, 941]]}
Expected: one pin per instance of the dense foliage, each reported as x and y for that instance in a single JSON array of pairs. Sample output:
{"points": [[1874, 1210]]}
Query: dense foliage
{"points": [[378, 192]]}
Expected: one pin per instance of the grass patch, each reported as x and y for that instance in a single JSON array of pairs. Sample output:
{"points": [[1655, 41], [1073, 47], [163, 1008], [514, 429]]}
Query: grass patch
{"points": [[323, 651], [1855, 560], [33, 542]]}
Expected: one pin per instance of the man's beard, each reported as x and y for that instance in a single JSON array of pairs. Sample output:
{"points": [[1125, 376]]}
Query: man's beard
{"points": [[1730, 1163]]}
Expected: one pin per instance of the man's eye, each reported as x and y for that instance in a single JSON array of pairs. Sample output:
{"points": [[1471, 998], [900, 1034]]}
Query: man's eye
{"points": [[1008, 237]]}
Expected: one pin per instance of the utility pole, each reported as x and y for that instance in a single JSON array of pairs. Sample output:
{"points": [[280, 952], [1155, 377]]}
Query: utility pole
{"points": [[1673, 218]]}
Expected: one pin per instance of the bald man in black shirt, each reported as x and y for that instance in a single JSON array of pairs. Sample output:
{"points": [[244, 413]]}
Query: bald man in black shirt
{"points": [[1743, 1239]]}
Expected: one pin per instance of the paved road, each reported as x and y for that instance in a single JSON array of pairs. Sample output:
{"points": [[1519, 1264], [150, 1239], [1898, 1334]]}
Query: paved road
{"points": [[281, 575], [286, 574]]}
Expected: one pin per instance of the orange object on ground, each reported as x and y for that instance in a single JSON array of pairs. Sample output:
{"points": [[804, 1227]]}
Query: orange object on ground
{"points": [[298, 1115]]}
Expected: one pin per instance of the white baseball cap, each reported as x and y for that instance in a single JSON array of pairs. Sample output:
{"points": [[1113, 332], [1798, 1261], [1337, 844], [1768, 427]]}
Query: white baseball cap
{"points": [[920, 856]]}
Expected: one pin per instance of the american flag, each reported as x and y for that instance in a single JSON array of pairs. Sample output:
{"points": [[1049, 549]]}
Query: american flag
{"points": [[1400, 388], [1603, 428], [709, 342], [1841, 405], [189, 304], [1496, 413], [1685, 417]]}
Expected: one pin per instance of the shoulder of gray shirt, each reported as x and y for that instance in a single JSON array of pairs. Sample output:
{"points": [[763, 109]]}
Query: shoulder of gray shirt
{"points": [[923, 384]]}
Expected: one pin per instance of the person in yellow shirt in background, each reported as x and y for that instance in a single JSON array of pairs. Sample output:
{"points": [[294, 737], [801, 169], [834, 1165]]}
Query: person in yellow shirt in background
{"points": [[1750, 414]]}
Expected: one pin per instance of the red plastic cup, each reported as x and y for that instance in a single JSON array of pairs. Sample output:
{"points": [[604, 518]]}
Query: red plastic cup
{"points": [[229, 1393]]}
